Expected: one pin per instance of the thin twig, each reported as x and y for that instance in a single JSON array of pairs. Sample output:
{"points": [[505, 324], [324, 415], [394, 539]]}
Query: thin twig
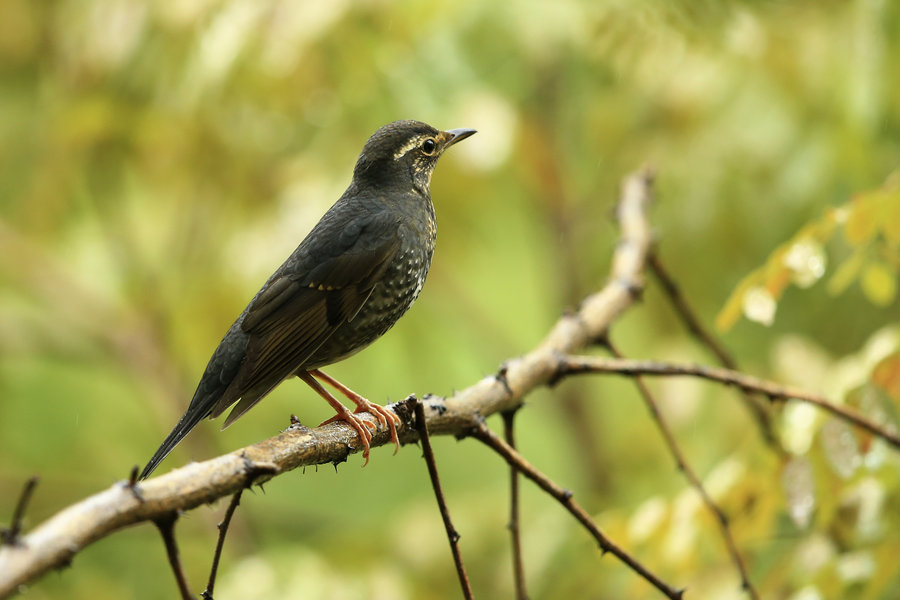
{"points": [[10, 537], [574, 365], [516, 539], [452, 534], [166, 526], [220, 543], [481, 432], [693, 479], [690, 320]]}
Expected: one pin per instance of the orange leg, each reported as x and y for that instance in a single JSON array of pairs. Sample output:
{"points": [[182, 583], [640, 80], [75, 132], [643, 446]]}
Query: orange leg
{"points": [[342, 413], [384, 416]]}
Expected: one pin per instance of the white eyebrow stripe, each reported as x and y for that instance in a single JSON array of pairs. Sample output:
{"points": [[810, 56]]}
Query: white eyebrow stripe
{"points": [[409, 146]]}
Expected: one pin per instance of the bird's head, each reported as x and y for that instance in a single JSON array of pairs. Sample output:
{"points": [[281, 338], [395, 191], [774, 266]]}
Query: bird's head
{"points": [[404, 153]]}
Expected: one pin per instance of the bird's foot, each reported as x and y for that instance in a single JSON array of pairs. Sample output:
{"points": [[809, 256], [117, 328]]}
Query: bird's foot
{"points": [[361, 426], [384, 415]]}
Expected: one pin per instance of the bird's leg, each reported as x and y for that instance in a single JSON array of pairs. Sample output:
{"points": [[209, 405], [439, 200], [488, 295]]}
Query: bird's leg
{"points": [[342, 413], [384, 416]]}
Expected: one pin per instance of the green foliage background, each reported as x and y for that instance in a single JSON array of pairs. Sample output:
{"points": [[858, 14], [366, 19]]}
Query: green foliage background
{"points": [[159, 159]]}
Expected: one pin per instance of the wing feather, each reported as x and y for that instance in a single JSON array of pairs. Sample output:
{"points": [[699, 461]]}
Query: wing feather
{"points": [[295, 314]]}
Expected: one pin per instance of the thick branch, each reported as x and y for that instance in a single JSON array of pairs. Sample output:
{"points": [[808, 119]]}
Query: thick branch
{"points": [[57, 540]]}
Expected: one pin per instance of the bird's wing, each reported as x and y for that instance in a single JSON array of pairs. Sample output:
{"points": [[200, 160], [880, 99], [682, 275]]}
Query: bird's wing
{"points": [[296, 313]]}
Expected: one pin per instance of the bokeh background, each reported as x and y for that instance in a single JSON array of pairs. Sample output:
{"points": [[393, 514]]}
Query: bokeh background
{"points": [[158, 159]]}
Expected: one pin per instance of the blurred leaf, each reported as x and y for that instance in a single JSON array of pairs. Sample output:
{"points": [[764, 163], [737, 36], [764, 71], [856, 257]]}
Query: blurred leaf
{"points": [[734, 306], [806, 260], [846, 273], [799, 489], [890, 224], [759, 305], [840, 447], [879, 283], [862, 218], [887, 376]]}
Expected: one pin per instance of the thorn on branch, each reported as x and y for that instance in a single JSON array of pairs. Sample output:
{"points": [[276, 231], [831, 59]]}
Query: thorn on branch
{"points": [[254, 470], [133, 484], [500, 376], [633, 287], [602, 338], [405, 409], [10, 536], [438, 406]]}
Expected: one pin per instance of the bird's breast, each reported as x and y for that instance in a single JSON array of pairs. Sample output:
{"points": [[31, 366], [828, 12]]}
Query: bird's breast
{"points": [[393, 294]]}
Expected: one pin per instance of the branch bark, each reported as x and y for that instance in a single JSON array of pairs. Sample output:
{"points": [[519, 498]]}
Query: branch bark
{"points": [[55, 542]]}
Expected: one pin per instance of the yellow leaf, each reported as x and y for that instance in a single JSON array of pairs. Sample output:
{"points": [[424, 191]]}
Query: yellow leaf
{"points": [[846, 273], [879, 284], [734, 306], [777, 280], [862, 218]]}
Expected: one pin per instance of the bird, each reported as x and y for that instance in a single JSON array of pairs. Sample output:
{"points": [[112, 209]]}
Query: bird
{"points": [[352, 277]]}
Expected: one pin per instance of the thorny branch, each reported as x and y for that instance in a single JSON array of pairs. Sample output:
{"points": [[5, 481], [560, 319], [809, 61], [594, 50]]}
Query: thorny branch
{"points": [[220, 543], [56, 541], [481, 432], [452, 534], [53, 543]]}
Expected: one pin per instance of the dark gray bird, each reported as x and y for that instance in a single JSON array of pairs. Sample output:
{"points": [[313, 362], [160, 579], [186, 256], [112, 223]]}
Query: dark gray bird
{"points": [[355, 274]]}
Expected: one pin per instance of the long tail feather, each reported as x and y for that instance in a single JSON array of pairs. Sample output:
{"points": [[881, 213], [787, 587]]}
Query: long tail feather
{"points": [[187, 422]]}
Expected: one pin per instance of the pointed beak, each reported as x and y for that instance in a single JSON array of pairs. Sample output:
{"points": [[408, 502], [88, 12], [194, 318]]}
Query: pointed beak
{"points": [[457, 135]]}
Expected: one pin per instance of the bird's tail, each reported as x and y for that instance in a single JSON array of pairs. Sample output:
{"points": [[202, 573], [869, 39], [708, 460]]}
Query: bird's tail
{"points": [[187, 422]]}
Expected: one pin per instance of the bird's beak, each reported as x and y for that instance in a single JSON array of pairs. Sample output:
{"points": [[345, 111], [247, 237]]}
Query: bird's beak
{"points": [[456, 135]]}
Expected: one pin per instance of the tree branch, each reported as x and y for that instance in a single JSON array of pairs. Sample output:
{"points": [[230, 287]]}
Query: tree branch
{"points": [[10, 536], [489, 438], [166, 526], [509, 419], [573, 365], [53, 543], [452, 534], [690, 320], [689, 473], [220, 544]]}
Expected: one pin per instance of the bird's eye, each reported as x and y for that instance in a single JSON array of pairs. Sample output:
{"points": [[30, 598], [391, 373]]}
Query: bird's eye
{"points": [[428, 146]]}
